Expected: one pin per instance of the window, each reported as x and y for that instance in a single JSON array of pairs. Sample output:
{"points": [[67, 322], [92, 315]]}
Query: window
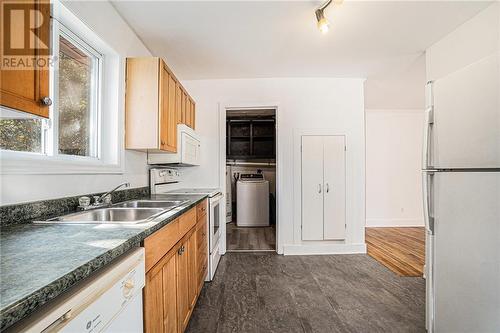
{"points": [[78, 78], [73, 126], [21, 132], [87, 92]]}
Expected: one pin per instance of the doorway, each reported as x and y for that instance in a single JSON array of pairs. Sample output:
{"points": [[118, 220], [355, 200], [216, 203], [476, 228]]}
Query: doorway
{"points": [[251, 180]]}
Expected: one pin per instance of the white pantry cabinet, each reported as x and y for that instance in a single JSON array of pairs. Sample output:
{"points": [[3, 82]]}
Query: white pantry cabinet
{"points": [[323, 187]]}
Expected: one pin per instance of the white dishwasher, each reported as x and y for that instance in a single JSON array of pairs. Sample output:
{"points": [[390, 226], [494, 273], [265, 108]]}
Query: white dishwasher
{"points": [[110, 301]]}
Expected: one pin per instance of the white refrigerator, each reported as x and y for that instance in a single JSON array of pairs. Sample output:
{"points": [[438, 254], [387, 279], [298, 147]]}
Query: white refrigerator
{"points": [[461, 186]]}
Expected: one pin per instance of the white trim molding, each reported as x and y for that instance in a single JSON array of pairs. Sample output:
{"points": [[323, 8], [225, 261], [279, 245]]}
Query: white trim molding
{"points": [[323, 249], [394, 222], [232, 105]]}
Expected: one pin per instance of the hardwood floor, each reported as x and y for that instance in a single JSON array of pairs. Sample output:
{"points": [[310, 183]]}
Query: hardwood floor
{"points": [[265, 292], [250, 238], [402, 250]]}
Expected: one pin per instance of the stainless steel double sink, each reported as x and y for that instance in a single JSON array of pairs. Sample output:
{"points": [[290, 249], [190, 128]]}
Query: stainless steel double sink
{"points": [[129, 212]]}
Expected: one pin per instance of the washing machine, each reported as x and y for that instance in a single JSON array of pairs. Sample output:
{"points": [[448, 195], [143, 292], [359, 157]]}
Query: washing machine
{"points": [[252, 201]]}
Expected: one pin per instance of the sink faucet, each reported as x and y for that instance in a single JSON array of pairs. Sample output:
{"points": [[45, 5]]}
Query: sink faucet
{"points": [[99, 200]]}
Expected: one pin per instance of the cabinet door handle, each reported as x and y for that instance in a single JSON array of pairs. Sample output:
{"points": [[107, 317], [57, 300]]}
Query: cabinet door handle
{"points": [[319, 188], [162, 143], [327, 188], [46, 101]]}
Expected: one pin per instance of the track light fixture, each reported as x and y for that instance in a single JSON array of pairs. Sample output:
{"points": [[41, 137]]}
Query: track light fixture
{"points": [[323, 24]]}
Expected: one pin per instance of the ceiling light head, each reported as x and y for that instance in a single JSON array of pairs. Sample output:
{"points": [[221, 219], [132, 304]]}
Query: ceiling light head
{"points": [[323, 24]]}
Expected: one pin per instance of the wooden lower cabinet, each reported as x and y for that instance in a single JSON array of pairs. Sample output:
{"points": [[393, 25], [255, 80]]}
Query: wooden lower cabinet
{"points": [[183, 287], [160, 295], [175, 281], [193, 270]]}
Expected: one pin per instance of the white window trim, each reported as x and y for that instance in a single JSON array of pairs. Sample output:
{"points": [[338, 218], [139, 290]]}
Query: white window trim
{"points": [[60, 29], [111, 153]]}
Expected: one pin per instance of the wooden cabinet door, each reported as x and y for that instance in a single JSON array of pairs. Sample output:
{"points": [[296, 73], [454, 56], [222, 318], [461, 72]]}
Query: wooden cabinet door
{"points": [[24, 89], [153, 301], [201, 251], [188, 112], [183, 296], [193, 114], [178, 103], [183, 106], [168, 114], [160, 296], [193, 269], [170, 294]]}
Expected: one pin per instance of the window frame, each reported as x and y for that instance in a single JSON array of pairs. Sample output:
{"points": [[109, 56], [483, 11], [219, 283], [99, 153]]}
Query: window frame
{"points": [[59, 30], [110, 152]]}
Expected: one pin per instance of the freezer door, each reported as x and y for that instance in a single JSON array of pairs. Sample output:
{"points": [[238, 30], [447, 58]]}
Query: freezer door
{"points": [[466, 256], [463, 120]]}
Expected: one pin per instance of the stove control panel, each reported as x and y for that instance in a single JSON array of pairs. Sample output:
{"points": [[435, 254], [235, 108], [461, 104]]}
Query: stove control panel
{"points": [[162, 176]]}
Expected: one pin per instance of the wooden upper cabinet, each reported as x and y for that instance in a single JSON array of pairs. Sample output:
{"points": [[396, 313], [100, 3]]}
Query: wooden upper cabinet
{"points": [[150, 114], [155, 102], [188, 112], [183, 106], [27, 89], [192, 110], [168, 114], [178, 102], [191, 113]]}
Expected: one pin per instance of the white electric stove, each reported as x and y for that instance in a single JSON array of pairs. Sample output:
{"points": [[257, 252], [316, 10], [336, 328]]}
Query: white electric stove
{"points": [[162, 180], [214, 221]]}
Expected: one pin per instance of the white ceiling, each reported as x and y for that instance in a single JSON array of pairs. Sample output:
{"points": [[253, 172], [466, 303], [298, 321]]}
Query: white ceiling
{"points": [[248, 39]]}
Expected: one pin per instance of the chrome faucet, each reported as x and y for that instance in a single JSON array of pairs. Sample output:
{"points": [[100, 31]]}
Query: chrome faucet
{"points": [[99, 200]]}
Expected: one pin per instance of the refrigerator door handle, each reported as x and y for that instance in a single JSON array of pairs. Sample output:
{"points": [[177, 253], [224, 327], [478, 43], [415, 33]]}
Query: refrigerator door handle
{"points": [[428, 122], [427, 184]]}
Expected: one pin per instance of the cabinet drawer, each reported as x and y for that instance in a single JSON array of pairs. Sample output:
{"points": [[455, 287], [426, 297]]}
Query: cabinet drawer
{"points": [[201, 209], [187, 221], [159, 243]]}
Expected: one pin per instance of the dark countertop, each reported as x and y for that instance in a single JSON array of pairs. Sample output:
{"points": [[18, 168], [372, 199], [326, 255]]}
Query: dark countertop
{"points": [[41, 261]]}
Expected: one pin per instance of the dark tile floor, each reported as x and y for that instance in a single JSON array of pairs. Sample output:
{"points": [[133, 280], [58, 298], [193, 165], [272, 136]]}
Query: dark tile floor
{"points": [[263, 292]]}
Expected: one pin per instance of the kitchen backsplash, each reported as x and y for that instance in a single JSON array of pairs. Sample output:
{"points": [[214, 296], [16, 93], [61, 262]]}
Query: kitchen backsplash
{"points": [[44, 209]]}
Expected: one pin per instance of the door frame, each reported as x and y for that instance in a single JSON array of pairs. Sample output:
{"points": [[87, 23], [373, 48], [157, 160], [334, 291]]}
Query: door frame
{"points": [[223, 107]]}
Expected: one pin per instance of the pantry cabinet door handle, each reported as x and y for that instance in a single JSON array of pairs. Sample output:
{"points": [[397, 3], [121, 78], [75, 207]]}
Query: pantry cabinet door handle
{"points": [[327, 188], [319, 188]]}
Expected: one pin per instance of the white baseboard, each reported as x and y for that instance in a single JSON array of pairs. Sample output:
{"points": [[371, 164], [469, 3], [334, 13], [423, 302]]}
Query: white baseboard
{"points": [[395, 223], [305, 249]]}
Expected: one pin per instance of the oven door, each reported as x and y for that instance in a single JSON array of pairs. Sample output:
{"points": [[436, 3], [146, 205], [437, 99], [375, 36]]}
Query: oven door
{"points": [[214, 219]]}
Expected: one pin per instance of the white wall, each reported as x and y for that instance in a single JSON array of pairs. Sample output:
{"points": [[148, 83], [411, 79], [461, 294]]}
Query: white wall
{"points": [[393, 168], [306, 103], [472, 41], [101, 17]]}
